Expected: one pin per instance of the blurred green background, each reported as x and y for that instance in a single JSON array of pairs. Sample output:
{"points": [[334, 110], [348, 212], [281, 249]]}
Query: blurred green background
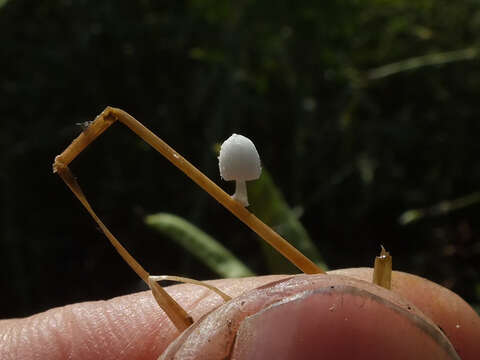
{"points": [[361, 111]]}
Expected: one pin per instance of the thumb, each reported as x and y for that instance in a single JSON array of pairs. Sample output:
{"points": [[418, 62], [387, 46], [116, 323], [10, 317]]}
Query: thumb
{"points": [[339, 317]]}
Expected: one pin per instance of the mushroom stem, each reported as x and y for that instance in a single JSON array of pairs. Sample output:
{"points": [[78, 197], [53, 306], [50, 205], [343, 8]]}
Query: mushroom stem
{"points": [[241, 192]]}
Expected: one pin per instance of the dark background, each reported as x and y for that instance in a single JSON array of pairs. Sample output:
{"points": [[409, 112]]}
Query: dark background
{"points": [[353, 148]]}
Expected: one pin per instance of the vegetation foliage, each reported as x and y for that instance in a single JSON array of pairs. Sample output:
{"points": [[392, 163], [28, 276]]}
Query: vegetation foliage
{"points": [[361, 110]]}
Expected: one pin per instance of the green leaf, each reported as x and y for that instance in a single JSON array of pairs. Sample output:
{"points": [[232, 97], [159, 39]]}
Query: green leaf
{"points": [[442, 208], [268, 204], [208, 250]]}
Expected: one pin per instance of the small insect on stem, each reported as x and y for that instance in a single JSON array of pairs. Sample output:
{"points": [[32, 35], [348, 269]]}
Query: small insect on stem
{"points": [[102, 122], [84, 124]]}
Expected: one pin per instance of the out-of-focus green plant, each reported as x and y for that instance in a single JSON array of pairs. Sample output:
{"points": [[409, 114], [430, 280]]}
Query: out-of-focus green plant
{"points": [[208, 250], [269, 205], [442, 208], [414, 63]]}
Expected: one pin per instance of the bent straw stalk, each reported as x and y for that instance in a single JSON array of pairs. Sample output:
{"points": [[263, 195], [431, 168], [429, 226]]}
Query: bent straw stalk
{"points": [[174, 311], [101, 123], [110, 115], [191, 281]]}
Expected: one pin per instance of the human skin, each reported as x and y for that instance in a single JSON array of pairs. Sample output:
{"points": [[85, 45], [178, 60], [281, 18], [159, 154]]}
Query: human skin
{"points": [[133, 327], [125, 327]]}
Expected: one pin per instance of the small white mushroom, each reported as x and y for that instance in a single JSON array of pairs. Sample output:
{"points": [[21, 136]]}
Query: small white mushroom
{"points": [[239, 161]]}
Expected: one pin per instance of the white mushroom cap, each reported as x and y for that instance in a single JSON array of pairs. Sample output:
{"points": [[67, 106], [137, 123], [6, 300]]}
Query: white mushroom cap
{"points": [[239, 159]]}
